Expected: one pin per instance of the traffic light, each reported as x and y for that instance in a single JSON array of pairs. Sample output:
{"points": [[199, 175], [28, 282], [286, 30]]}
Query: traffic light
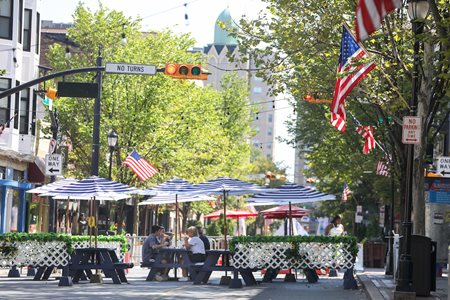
{"points": [[51, 93], [186, 71]]}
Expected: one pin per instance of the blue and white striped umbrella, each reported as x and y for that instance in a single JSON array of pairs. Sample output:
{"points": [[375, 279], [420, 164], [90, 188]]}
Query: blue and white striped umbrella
{"points": [[176, 186], [93, 187], [174, 191], [289, 193], [229, 186], [51, 186]]}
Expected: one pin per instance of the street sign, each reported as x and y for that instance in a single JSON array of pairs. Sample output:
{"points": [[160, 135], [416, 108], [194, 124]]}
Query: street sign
{"points": [[130, 69], [411, 130], [443, 165], [77, 89], [53, 164]]}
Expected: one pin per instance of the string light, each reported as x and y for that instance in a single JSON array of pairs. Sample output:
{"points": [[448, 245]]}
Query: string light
{"points": [[186, 17]]}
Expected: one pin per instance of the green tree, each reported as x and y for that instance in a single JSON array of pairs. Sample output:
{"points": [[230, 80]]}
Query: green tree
{"points": [[296, 46], [183, 129]]}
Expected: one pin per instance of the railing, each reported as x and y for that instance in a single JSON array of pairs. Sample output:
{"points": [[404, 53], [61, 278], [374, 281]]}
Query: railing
{"points": [[294, 252]]}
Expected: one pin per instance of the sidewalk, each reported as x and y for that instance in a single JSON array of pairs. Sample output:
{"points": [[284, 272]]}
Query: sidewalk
{"points": [[381, 287]]}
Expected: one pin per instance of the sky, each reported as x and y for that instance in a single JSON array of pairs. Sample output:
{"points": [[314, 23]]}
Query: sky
{"points": [[160, 14]]}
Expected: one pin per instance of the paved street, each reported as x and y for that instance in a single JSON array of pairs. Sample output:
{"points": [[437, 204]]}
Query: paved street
{"points": [[26, 288]]}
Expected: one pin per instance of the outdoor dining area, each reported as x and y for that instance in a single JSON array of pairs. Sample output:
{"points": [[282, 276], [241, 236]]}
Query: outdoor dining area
{"points": [[95, 257]]}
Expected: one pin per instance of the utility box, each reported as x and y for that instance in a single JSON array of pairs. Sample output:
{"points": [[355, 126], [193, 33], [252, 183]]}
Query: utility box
{"points": [[423, 253]]}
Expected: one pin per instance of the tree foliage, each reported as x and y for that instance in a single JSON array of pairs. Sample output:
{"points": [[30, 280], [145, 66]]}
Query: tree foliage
{"points": [[296, 44], [183, 129]]}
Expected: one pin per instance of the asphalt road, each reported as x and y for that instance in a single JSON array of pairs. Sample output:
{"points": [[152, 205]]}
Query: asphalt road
{"points": [[138, 288]]}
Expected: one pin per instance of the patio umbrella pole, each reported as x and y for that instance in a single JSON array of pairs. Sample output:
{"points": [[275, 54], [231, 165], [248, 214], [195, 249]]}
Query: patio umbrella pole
{"points": [[291, 228], [176, 228], [225, 280], [67, 215], [89, 223]]}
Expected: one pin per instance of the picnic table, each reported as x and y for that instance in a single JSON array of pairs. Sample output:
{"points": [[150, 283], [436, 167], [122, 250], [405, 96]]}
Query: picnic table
{"points": [[175, 258], [105, 259], [203, 272]]}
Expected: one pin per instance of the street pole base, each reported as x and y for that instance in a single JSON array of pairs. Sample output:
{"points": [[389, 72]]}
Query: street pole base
{"points": [[96, 278], [290, 278], [14, 273], [65, 281], [225, 280], [399, 295], [333, 273], [236, 283], [31, 271]]}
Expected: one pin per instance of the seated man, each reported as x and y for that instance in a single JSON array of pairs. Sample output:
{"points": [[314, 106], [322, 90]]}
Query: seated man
{"points": [[150, 249], [196, 248]]}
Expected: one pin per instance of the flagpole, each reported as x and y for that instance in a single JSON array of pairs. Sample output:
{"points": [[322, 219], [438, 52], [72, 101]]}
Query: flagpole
{"points": [[380, 68]]}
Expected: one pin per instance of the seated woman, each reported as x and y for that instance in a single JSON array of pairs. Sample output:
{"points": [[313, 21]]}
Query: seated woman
{"points": [[196, 248]]}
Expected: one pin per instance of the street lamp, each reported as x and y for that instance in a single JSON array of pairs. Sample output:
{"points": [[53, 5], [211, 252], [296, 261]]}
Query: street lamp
{"points": [[112, 142], [417, 11]]}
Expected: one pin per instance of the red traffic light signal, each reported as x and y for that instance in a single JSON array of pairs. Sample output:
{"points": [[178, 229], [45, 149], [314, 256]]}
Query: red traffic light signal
{"points": [[186, 71]]}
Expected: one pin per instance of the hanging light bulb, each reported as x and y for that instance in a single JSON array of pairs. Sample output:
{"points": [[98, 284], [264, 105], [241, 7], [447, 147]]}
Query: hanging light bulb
{"points": [[68, 55], [273, 103], [257, 116]]}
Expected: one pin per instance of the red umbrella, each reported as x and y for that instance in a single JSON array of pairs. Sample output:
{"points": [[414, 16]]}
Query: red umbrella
{"points": [[281, 212], [232, 214]]}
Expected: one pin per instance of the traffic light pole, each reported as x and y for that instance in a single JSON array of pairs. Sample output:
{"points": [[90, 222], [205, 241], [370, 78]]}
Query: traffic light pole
{"points": [[96, 129], [52, 203], [28, 84]]}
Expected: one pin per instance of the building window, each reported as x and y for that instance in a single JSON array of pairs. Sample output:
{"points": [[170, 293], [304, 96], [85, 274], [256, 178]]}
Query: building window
{"points": [[19, 32], [269, 131], [269, 156], [27, 30], [270, 118], [6, 20], [257, 90], [33, 115], [38, 21], [24, 125], [269, 145], [5, 106], [16, 108]]}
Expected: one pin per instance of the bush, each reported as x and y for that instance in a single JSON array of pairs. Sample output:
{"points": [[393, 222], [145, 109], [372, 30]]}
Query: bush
{"points": [[216, 227]]}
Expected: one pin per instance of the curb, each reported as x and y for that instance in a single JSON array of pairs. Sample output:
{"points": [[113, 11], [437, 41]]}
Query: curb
{"points": [[370, 289]]}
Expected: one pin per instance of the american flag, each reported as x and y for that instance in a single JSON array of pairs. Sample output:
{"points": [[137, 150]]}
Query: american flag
{"points": [[370, 14], [367, 133], [382, 168], [349, 76], [346, 192], [140, 166]]}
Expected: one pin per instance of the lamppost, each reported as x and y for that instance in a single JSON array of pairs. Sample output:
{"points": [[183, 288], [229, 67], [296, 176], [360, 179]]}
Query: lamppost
{"points": [[417, 11], [112, 142]]}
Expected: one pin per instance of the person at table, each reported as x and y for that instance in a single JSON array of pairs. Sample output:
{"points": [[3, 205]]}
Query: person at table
{"points": [[203, 237], [196, 249], [335, 228], [150, 249]]}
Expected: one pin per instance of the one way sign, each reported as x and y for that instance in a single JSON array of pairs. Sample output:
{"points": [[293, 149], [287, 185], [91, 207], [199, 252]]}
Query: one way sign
{"points": [[443, 166], [53, 164]]}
